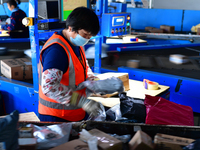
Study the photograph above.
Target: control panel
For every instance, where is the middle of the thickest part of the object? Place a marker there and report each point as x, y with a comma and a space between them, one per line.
115, 24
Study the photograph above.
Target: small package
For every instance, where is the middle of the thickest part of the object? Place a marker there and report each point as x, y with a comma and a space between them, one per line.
155, 30
149, 28
167, 29
141, 141
27, 143
178, 59
105, 141
26, 132
164, 141
18, 69
72, 145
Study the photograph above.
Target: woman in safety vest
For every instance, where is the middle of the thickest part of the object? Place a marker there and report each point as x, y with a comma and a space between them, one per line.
63, 66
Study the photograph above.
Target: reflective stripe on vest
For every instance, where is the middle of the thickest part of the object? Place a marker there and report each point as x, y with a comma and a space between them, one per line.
56, 105
71, 66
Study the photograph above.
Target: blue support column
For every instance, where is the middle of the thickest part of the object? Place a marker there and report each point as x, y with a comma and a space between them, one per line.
97, 59
105, 6
34, 41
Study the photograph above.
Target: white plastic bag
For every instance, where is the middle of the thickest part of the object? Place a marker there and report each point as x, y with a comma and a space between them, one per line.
53, 135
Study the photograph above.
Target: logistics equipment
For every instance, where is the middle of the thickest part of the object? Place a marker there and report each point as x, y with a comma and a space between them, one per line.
112, 24
115, 24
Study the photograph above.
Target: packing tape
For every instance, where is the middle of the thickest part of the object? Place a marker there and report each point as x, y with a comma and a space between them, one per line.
150, 85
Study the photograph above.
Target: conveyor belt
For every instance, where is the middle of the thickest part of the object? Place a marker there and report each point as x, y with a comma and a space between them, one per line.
158, 61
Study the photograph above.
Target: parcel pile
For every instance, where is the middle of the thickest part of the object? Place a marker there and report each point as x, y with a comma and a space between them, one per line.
63, 136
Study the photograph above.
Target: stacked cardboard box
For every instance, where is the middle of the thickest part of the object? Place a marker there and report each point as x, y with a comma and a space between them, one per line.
26, 139
162, 29
169, 142
168, 29
18, 69
141, 141
105, 142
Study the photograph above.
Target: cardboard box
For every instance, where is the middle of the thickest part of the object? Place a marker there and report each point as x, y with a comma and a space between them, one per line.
149, 28
27, 143
72, 145
198, 31
105, 141
155, 30
26, 132
18, 69
169, 142
141, 141
168, 29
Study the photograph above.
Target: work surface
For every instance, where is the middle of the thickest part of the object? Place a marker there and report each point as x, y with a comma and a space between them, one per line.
3, 33
29, 116
137, 90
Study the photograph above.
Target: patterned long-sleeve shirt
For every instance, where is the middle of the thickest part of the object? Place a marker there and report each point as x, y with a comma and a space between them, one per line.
16, 24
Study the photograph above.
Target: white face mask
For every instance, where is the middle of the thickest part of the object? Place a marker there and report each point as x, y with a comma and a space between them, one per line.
79, 40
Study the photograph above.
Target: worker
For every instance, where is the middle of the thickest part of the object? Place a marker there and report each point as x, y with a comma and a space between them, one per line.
63, 66
16, 28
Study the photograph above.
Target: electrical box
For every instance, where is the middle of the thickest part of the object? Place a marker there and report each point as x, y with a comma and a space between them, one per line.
115, 24
47, 9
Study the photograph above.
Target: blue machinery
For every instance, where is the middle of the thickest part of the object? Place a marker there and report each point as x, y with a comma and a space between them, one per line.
24, 96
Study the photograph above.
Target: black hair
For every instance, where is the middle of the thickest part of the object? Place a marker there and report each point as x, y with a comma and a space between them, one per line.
13, 2
83, 18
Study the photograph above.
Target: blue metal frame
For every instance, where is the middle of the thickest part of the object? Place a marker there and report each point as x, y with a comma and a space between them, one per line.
20, 95
34, 41
98, 46
13, 40
154, 47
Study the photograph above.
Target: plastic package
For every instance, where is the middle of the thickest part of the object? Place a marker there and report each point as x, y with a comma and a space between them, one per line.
99, 115
123, 138
107, 86
132, 108
52, 136
92, 141
8, 131
114, 113
45, 134
162, 111
193, 146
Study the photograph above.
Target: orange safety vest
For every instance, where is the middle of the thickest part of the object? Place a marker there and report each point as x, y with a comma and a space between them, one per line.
75, 74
